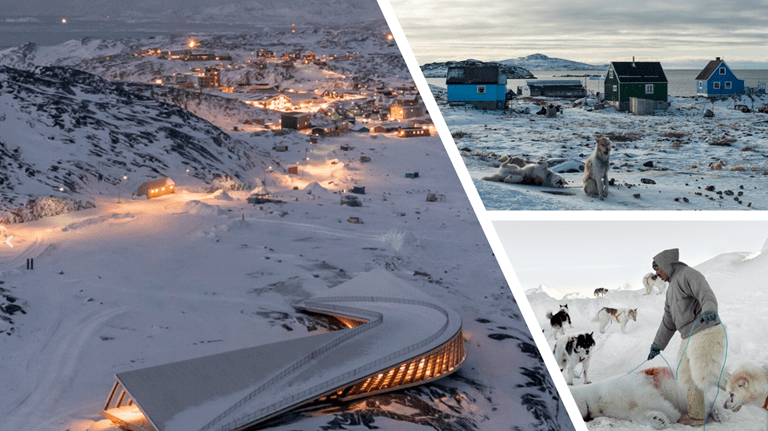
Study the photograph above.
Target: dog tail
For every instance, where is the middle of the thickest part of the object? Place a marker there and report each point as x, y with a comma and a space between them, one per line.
549, 314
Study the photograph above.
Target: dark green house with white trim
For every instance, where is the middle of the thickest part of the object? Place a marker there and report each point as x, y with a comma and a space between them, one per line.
641, 79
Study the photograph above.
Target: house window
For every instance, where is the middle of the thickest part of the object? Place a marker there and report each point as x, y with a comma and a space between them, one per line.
648, 88
610, 73
615, 88
701, 85
728, 85
481, 89
716, 85
722, 71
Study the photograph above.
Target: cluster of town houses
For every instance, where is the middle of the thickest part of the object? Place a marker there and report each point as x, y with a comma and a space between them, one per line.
335, 107
629, 85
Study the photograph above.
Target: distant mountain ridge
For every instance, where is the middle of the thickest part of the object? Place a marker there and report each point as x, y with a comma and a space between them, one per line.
543, 62
440, 69
515, 68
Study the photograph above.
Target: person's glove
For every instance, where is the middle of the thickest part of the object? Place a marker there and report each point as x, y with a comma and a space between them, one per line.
655, 350
709, 317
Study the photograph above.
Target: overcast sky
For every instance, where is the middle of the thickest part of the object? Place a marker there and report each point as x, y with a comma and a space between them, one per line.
679, 34
568, 254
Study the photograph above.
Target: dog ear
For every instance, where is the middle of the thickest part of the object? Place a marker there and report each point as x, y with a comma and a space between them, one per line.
742, 382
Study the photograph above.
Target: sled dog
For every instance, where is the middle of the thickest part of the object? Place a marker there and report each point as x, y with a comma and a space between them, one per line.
600, 291
606, 315
558, 319
652, 280
537, 174
649, 397
748, 385
572, 350
596, 169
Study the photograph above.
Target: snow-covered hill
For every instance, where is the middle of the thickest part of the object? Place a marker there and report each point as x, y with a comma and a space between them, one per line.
71, 134
543, 62
736, 278
515, 68
440, 69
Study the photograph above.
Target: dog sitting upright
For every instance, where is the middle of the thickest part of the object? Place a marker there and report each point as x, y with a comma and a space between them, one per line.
605, 315
748, 385
558, 319
596, 169
570, 351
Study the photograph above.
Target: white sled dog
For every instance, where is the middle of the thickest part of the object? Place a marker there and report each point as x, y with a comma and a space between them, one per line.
532, 174
607, 314
572, 350
650, 397
748, 385
652, 280
596, 169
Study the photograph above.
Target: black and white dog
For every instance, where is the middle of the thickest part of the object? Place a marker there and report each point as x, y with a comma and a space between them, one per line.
558, 319
570, 351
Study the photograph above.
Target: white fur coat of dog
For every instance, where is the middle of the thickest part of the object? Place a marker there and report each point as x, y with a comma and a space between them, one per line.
651, 280
748, 386
606, 315
596, 169
650, 397
532, 174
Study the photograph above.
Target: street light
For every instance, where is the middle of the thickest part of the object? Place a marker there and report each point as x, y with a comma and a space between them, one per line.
125, 177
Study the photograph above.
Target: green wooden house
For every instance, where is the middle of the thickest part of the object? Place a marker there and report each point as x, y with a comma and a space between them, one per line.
641, 79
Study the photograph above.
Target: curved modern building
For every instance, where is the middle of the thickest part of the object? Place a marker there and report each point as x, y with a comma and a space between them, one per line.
396, 337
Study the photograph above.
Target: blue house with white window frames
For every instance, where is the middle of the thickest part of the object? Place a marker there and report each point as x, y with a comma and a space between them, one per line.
718, 81
483, 86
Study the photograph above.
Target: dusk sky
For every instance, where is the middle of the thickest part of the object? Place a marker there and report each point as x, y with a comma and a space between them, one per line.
679, 34
564, 254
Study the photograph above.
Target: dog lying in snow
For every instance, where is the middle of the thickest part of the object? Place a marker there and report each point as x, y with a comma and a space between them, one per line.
558, 319
572, 350
537, 174
748, 385
622, 316
596, 169
650, 397
652, 280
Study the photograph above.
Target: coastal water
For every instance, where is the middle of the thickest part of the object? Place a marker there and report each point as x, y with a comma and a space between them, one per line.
682, 82
48, 31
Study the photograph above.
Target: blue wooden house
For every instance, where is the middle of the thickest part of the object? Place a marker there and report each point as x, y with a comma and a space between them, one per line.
483, 86
717, 80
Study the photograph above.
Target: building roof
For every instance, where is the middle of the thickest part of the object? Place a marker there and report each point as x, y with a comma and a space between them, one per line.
142, 190
554, 83
639, 71
709, 69
232, 389
485, 74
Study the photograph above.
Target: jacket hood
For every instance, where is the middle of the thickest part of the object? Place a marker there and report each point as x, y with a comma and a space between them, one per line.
666, 258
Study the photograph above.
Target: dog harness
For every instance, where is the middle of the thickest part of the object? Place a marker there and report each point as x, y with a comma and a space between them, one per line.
765, 406
617, 316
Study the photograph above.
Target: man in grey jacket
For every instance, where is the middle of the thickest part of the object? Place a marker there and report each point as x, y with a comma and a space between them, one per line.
690, 309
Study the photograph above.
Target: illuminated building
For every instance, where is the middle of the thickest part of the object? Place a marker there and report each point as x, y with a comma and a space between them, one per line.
156, 188
395, 337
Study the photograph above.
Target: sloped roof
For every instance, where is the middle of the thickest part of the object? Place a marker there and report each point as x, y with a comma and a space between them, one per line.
639, 71
708, 70
487, 74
